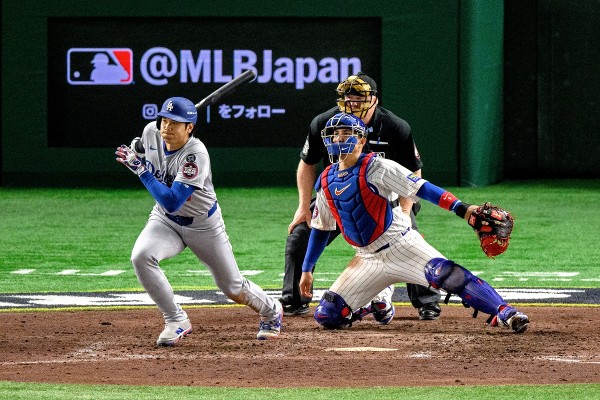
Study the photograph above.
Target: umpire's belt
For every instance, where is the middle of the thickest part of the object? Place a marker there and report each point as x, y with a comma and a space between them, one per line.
185, 221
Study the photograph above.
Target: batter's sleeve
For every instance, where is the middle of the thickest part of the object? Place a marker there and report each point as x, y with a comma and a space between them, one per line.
171, 198
194, 170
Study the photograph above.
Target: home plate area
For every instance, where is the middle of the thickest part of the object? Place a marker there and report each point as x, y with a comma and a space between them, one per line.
118, 347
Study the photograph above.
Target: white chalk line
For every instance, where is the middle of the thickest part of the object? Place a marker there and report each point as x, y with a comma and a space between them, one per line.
93, 353
564, 359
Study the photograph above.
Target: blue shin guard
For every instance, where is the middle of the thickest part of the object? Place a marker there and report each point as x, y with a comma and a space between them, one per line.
453, 278
333, 312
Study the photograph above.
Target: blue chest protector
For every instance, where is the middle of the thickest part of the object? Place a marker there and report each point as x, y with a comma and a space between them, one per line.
360, 212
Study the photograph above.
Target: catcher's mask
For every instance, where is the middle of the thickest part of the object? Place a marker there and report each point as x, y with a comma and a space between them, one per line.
178, 109
341, 134
362, 89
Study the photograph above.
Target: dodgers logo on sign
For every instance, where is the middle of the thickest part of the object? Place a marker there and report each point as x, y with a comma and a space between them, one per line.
99, 66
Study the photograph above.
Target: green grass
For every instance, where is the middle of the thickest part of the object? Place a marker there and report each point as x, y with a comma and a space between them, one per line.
25, 391
93, 231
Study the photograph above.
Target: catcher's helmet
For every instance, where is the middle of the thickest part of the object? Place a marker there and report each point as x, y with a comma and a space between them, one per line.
342, 121
359, 85
179, 109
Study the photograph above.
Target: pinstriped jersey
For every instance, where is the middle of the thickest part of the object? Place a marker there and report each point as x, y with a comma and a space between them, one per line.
387, 178
189, 165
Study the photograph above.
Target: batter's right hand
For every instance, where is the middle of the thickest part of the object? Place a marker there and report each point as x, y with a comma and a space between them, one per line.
301, 215
128, 158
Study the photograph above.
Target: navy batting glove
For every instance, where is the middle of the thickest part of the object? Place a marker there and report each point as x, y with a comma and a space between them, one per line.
128, 158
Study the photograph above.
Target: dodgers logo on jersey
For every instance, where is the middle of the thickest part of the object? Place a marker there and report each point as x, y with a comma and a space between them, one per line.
190, 170
99, 66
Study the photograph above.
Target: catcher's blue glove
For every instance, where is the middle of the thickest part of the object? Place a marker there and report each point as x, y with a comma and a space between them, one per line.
128, 158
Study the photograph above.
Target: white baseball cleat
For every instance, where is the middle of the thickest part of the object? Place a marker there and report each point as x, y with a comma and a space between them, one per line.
511, 318
271, 329
382, 307
173, 332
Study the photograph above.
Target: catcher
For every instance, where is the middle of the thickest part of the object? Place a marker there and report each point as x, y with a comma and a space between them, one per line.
355, 193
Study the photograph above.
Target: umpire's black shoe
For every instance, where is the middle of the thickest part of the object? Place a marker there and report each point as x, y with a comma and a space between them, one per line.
291, 310
430, 311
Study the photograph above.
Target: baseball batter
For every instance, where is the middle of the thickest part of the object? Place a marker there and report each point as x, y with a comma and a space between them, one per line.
176, 171
355, 193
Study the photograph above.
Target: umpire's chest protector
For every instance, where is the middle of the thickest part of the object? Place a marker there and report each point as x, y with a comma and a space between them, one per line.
360, 212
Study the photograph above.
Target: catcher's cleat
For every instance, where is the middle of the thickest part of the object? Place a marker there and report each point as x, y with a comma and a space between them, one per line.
382, 308
383, 312
430, 312
271, 329
511, 318
173, 332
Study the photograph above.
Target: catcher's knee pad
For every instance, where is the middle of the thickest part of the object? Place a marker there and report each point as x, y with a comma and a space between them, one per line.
333, 312
453, 278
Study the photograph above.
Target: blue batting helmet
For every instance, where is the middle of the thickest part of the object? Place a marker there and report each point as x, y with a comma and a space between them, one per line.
342, 121
179, 109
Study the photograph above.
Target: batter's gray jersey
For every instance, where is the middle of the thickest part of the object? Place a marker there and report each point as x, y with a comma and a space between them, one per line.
405, 253
189, 165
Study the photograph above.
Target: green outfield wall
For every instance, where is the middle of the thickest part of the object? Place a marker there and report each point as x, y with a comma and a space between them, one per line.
440, 66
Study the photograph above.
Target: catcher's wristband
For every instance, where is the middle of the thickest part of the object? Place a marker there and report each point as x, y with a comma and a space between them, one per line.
461, 209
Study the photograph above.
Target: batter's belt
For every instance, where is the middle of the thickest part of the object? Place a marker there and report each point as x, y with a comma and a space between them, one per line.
185, 221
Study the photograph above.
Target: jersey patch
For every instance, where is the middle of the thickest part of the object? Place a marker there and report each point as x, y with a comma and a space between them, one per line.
190, 158
413, 177
190, 170
315, 212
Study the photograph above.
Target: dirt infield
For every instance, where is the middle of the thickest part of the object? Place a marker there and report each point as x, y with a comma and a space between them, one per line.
117, 347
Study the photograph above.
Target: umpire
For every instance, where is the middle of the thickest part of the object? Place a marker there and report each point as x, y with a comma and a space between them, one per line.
390, 137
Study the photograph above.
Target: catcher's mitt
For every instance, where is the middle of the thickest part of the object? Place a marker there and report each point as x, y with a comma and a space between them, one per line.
493, 226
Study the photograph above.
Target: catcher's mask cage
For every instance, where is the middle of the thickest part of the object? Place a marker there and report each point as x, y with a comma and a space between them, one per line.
341, 134
178, 109
360, 86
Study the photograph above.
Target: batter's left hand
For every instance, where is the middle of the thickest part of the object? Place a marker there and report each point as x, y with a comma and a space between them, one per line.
306, 281
128, 158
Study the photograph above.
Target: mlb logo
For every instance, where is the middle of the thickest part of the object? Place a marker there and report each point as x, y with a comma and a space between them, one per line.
99, 66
